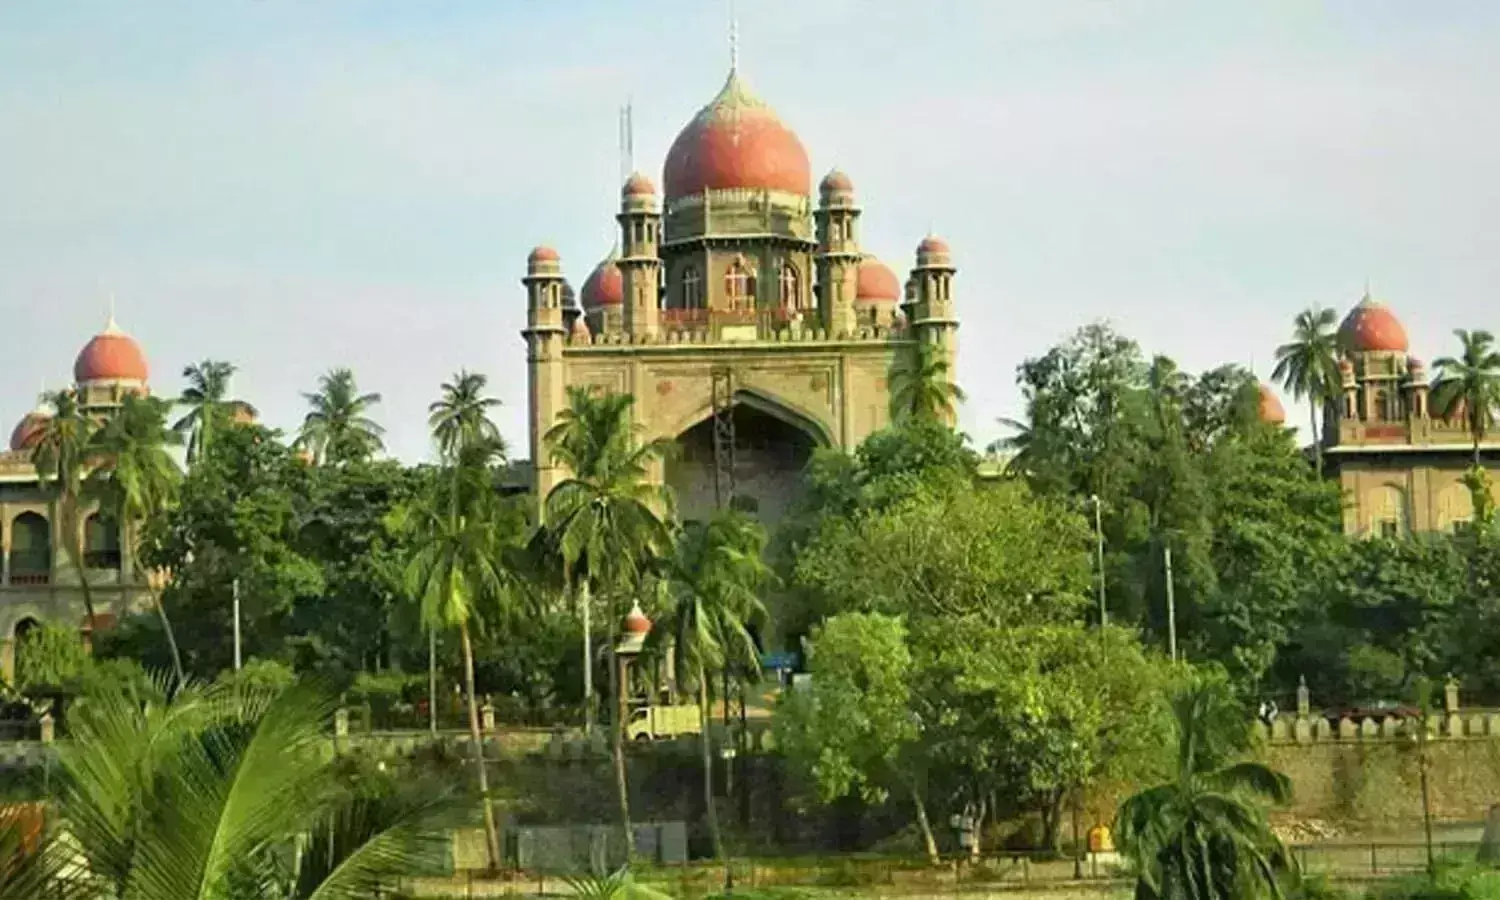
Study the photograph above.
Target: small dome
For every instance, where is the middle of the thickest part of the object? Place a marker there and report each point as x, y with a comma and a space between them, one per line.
605, 285
636, 622
581, 333
934, 246
543, 253
836, 182
736, 141
876, 281
638, 185
1371, 327
28, 432
111, 355
1271, 410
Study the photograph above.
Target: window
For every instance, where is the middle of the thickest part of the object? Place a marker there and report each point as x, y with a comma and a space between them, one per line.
692, 288
739, 286
1462, 527
101, 543
1390, 529
790, 294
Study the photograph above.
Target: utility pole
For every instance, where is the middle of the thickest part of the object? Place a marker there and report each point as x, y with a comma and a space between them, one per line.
236, 594
1099, 540
1171, 603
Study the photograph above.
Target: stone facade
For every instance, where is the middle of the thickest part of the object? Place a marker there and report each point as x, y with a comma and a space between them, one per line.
734, 294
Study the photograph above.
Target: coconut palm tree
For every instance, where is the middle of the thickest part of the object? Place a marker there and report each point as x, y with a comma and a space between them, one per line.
1470, 384
337, 428
461, 416
228, 793
922, 386
1204, 834
606, 521
137, 479
61, 460
209, 406
455, 571
716, 576
1307, 366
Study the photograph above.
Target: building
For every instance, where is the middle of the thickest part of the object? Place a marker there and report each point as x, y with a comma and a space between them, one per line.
739, 310
38, 582
1400, 466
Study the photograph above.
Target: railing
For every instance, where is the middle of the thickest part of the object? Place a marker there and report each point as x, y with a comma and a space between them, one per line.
30, 579
684, 318
1350, 859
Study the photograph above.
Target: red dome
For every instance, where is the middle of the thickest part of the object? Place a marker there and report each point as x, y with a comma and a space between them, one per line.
876, 281
736, 141
932, 244
28, 431
1271, 410
636, 622
605, 285
112, 355
638, 185
1371, 326
836, 182
543, 253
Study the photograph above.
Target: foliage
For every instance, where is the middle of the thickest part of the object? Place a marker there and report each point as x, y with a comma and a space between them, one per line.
49, 656
1307, 366
1451, 881
620, 885
210, 409
337, 428
922, 388
1468, 386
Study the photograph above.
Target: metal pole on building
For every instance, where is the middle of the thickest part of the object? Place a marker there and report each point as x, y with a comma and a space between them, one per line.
236, 624
1171, 604
1099, 539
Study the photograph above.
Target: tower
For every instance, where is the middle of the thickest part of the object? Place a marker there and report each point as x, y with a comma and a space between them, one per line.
640, 266
545, 336
930, 299
838, 253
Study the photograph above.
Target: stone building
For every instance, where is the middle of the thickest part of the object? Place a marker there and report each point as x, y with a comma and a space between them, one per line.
38, 583
741, 312
1401, 466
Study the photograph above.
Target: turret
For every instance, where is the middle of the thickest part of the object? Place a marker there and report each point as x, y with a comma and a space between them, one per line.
838, 253
930, 299
640, 266
545, 336
1416, 388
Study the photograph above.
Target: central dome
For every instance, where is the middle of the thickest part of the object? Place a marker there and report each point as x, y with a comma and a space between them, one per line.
736, 141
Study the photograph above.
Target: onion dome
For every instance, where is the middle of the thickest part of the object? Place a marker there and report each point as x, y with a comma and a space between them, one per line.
736, 142
1271, 410
29, 430
933, 251
111, 355
580, 330
543, 253
605, 285
836, 182
875, 281
638, 185
636, 621
1372, 327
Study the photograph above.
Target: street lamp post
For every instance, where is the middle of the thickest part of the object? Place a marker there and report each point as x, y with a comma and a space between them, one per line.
1099, 543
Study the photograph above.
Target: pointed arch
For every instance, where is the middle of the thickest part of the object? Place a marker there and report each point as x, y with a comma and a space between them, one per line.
30, 549
739, 284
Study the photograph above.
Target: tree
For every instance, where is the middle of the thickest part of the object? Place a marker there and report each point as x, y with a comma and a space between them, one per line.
137, 480
922, 387
716, 576
1307, 366
461, 416
61, 460
856, 729
1469, 385
606, 519
455, 571
209, 407
210, 793
337, 428
1202, 834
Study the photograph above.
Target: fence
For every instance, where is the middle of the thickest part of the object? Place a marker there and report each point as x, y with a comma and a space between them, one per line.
1377, 858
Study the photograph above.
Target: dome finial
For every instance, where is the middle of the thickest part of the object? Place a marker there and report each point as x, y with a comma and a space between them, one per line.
734, 39
110, 325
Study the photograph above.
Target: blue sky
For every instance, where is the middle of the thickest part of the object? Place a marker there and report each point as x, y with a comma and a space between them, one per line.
294, 186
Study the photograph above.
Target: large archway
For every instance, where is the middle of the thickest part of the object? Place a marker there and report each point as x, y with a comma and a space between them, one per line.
771, 449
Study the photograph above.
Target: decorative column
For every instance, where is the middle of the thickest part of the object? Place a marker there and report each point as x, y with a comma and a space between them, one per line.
838, 256
640, 266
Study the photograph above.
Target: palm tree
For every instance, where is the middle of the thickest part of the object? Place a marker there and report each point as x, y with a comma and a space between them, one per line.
605, 521
717, 574
619, 886
209, 406
462, 415
61, 460
1307, 367
454, 571
337, 429
228, 793
138, 479
1470, 384
922, 388
1204, 835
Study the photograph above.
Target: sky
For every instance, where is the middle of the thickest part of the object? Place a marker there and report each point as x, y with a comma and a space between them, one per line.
296, 186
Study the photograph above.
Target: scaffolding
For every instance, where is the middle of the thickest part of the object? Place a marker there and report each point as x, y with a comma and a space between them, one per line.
724, 438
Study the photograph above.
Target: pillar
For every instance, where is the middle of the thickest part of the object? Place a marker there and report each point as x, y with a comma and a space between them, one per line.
546, 377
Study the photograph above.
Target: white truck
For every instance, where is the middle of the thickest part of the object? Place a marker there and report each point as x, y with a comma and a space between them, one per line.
653, 722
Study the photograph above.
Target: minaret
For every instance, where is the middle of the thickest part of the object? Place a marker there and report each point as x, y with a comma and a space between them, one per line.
838, 253
930, 299
640, 266
544, 360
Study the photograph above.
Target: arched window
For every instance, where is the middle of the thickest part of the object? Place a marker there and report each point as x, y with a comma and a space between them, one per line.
692, 288
30, 549
739, 286
1387, 505
791, 294
101, 542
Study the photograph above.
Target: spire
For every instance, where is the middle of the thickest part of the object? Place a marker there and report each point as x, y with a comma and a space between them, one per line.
734, 39
110, 326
